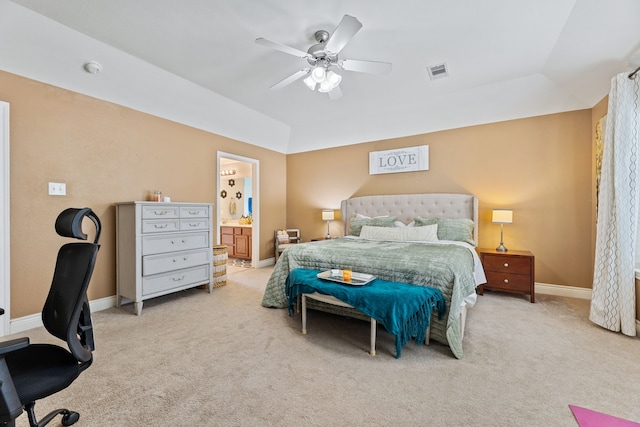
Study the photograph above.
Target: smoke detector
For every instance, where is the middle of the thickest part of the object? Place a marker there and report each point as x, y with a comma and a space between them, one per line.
92, 67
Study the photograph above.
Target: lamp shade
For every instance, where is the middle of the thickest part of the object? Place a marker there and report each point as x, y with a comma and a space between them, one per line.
502, 216
311, 84
328, 215
318, 74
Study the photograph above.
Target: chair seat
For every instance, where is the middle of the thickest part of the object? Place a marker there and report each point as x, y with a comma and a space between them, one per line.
40, 370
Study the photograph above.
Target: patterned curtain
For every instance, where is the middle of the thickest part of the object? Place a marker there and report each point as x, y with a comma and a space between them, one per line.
613, 300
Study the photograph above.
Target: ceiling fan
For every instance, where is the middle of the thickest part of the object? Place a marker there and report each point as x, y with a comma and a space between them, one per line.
324, 61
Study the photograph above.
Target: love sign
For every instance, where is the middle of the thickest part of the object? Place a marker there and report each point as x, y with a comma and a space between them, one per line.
408, 159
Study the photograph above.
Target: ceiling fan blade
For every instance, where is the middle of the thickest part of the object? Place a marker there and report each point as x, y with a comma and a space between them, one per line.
371, 67
281, 47
346, 29
335, 93
292, 78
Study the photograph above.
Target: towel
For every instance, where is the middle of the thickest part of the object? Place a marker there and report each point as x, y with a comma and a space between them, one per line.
403, 309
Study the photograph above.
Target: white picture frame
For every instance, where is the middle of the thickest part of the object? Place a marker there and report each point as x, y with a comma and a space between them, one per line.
409, 159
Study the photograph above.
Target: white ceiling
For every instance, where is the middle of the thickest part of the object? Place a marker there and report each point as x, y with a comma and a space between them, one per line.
197, 62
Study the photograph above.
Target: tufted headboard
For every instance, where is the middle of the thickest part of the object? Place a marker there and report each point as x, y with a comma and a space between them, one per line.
405, 207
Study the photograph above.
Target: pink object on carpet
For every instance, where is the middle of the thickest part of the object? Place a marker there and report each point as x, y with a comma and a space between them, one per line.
588, 418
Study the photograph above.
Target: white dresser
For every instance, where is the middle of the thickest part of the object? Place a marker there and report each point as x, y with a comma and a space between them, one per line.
162, 248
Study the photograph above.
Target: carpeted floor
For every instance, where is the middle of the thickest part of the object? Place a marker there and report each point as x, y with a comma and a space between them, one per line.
220, 359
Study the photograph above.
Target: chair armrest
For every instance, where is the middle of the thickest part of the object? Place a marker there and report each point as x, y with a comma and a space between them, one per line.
13, 345
10, 405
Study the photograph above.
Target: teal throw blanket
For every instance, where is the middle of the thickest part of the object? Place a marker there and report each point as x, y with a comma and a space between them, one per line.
404, 310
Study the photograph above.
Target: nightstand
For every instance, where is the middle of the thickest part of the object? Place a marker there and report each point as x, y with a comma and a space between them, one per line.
511, 271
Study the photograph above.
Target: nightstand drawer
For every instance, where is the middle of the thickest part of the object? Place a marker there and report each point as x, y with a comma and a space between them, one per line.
511, 271
508, 282
515, 265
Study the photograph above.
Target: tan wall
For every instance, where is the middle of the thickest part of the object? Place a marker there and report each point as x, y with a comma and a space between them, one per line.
106, 153
540, 167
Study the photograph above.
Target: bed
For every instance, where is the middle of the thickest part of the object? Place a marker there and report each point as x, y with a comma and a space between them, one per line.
392, 237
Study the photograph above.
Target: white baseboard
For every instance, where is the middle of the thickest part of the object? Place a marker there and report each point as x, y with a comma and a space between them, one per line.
572, 292
563, 291
25, 323
32, 321
267, 262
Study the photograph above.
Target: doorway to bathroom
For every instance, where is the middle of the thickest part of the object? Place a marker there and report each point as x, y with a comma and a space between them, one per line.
238, 208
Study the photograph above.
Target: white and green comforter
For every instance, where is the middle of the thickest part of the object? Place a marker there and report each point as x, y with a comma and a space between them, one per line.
447, 266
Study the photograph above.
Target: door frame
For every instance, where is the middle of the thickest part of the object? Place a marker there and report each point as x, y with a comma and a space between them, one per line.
5, 255
255, 194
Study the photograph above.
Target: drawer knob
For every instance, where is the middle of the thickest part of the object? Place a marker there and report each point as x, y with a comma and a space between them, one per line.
506, 280
506, 265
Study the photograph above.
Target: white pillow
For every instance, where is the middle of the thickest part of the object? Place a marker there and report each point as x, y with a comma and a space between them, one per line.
368, 217
427, 233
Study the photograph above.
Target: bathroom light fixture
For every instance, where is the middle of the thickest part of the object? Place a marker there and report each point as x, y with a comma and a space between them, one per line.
92, 67
227, 172
502, 216
328, 215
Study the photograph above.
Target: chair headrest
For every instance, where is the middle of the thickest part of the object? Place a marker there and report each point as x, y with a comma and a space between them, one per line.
69, 223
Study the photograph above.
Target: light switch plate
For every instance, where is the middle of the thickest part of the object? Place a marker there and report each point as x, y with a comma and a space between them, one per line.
57, 189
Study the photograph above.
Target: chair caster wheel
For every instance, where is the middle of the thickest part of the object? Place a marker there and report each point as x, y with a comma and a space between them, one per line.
70, 418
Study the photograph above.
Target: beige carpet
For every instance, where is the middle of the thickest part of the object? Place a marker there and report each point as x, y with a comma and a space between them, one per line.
223, 360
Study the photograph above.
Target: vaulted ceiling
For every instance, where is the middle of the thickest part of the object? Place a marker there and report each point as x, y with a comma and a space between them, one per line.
197, 62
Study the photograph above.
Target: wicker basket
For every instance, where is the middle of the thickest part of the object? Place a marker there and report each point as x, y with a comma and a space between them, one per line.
219, 265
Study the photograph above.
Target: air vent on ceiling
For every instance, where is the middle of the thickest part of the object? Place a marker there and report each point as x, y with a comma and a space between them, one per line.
438, 71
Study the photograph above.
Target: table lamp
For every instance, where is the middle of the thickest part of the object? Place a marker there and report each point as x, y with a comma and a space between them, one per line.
328, 215
502, 216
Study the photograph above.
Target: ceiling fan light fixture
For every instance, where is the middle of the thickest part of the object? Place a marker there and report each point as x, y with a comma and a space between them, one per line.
334, 78
324, 56
310, 83
318, 74
325, 86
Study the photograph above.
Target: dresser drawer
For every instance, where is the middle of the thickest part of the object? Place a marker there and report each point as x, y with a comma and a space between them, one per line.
154, 264
175, 279
504, 264
160, 226
152, 245
508, 281
194, 224
160, 212
194, 211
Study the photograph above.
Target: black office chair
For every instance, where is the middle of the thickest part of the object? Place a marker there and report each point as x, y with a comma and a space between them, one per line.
29, 372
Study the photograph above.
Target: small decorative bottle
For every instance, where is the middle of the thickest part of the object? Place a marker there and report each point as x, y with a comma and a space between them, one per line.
157, 196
